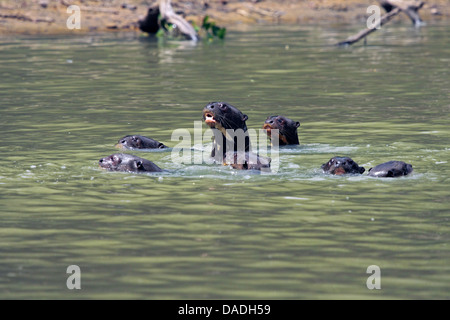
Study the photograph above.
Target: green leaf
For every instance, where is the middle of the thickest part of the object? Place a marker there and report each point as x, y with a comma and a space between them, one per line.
221, 33
212, 30
205, 20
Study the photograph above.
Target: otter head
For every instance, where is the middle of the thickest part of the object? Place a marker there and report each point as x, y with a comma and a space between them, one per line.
287, 129
138, 142
223, 116
342, 165
127, 162
113, 162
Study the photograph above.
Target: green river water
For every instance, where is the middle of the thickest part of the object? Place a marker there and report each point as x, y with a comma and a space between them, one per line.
201, 231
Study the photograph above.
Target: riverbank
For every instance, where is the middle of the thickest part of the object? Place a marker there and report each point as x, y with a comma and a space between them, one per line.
50, 17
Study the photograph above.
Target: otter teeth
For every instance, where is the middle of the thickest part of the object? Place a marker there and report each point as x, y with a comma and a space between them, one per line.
209, 118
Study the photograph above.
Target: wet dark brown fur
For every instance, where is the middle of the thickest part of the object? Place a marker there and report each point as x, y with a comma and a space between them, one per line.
127, 163
342, 165
139, 142
231, 137
391, 169
287, 130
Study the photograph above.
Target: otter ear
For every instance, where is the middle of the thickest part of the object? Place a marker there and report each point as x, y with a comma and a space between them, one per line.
361, 169
244, 117
297, 124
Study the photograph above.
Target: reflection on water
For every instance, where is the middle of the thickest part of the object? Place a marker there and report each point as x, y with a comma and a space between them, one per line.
205, 231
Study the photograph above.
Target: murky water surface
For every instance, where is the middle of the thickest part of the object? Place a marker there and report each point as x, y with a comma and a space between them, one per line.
201, 231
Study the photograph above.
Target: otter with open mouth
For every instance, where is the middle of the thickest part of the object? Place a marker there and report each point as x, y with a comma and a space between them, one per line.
342, 165
231, 136
287, 130
229, 126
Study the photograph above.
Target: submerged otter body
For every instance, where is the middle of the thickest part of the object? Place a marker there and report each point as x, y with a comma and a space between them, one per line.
247, 161
287, 130
391, 169
231, 137
342, 165
139, 142
128, 163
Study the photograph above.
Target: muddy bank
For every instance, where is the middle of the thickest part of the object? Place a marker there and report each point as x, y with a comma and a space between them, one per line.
50, 17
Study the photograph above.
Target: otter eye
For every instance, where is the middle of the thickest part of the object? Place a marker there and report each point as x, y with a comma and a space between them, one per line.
123, 141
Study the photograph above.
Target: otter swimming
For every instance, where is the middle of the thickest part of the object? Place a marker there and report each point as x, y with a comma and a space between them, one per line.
287, 130
229, 127
139, 142
231, 136
391, 169
128, 163
342, 165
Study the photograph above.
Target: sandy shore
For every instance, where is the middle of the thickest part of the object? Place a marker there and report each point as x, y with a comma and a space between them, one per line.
50, 16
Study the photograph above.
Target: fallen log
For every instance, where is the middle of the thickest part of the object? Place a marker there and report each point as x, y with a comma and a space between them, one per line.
159, 16
410, 8
365, 32
184, 27
393, 8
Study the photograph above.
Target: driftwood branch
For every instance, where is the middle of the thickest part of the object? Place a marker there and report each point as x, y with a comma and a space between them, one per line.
151, 23
410, 8
393, 8
364, 33
167, 13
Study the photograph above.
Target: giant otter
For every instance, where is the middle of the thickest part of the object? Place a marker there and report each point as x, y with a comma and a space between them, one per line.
287, 129
342, 165
391, 169
127, 162
139, 142
231, 135
230, 122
